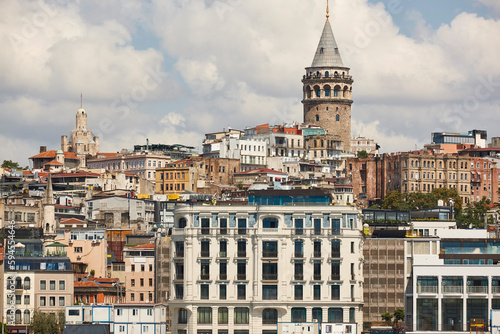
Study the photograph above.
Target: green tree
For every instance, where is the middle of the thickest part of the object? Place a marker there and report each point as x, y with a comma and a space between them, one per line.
44, 323
5, 331
387, 317
61, 320
392, 201
10, 164
362, 154
446, 194
399, 314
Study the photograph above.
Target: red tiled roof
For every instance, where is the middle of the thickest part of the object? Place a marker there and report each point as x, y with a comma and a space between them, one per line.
107, 155
53, 162
52, 154
71, 221
261, 171
27, 172
146, 246
91, 285
104, 280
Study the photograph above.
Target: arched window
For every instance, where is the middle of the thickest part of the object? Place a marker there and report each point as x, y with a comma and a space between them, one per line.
327, 90
18, 316
182, 222
298, 314
335, 92
317, 314
19, 283
269, 316
327, 74
27, 283
318, 74
337, 118
182, 316
336, 74
317, 118
27, 317
318, 92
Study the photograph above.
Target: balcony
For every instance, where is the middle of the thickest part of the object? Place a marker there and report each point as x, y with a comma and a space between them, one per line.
241, 277
495, 289
298, 277
271, 254
453, 289
204, 277
432, 289
241, 254
477, 290
269, 277
204, 254
222, 254
335, 277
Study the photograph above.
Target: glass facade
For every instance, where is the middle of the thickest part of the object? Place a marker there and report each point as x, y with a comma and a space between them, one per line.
427, 314
452, 310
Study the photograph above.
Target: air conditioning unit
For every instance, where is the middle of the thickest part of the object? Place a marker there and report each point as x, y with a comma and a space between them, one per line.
79, 257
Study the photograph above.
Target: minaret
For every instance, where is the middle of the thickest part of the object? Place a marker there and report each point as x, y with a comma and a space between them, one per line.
328, 88
49, 216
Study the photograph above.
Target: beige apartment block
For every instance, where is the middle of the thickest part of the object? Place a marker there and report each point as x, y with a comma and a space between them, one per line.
140, 273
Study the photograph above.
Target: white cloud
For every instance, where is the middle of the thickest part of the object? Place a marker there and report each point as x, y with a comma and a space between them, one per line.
236, 63
491, 3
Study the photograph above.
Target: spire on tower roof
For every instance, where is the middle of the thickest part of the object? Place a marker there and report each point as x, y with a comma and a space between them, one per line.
327, 53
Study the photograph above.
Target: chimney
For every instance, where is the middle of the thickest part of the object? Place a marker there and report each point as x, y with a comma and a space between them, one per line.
43, 149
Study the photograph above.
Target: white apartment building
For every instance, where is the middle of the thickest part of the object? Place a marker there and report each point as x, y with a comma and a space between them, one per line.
251, 153
245, 268
139, 318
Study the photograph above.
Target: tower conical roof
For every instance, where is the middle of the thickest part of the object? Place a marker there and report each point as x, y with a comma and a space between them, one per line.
327, 54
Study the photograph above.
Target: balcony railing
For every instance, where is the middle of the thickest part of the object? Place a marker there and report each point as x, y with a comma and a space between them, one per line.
335, 277
204, 277
205, 254
223, 254
477, 289
241, 277
335, 254
298, 254
179, 254
179, 277
317, 254
452, 289
317, 277
223, 277
241, 254
495, 289
270, 277
270, 254
427, 289
298, 277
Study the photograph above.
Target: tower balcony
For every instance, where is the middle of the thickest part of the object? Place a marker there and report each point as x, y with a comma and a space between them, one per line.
321, 100
307, 80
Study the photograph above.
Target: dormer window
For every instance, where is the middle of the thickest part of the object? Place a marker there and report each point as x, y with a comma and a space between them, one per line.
321, 50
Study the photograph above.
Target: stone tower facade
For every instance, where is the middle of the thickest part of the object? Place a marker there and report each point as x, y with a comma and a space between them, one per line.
328, 90
81, 140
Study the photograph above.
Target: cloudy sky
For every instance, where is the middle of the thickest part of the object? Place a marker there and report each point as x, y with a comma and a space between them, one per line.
172, 70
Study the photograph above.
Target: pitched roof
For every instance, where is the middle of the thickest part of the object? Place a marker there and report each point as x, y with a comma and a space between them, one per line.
53, 162
327, 53
52, 154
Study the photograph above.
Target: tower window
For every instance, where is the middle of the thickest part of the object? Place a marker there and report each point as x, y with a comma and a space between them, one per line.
318, 92
335, 92
327, 74
327, 91
317, 118
337, 118
321, 50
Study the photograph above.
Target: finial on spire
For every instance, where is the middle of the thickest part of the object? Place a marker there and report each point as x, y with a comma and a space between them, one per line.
327, 10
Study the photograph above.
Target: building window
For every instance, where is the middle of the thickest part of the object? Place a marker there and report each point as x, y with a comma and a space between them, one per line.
299, 248
27, 283
61, 301
317, 292
241, 315
182, 316
269, 316
335, 292
337, 118
52, 301
270, 271
77, 249
204, 289
298, 314
242, 245
241, 292
143, 267
43, 285
26, 299
317, 314
241, 270
222, 291
141, 297
179, 291
205, 269
204, 315
335, 315
269, 292
132, 297
299, 292
150, 282
52, 285
43, 301
132, 282
223, 315
132, 267
270, 222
